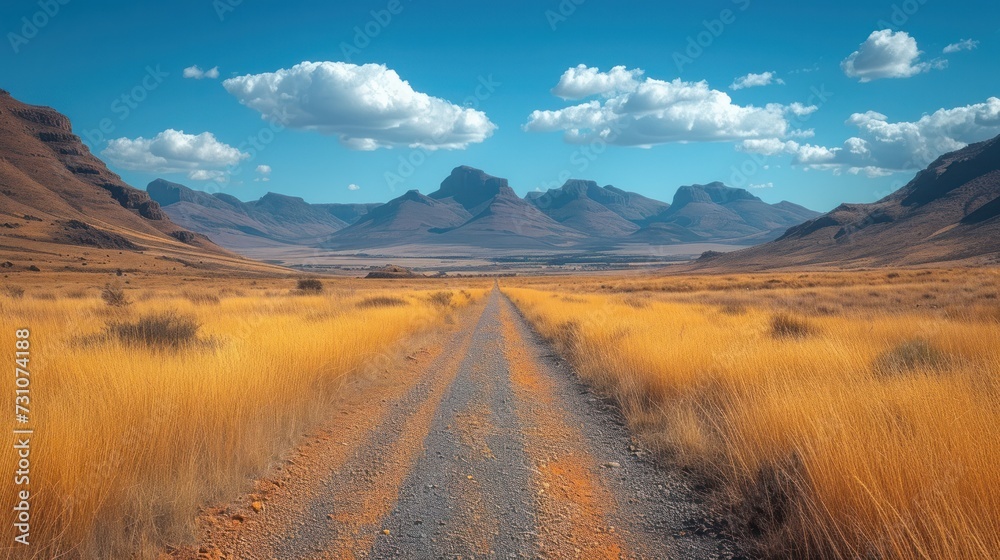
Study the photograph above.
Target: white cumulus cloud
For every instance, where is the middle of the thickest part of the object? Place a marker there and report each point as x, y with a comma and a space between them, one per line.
353, 187
756, 80
887, 54
196, 73
582, 81
263, 173
208, 175
367, 107
657, 112
963, 45
201, 156
882, 147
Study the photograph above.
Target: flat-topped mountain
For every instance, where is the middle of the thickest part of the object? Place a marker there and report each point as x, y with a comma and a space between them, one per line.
949, 212
598, 211
715, 212
471, 189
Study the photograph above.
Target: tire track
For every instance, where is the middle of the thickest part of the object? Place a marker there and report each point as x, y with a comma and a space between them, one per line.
466, 497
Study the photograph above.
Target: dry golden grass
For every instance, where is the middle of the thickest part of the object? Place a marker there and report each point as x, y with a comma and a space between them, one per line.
867, 431
147, 411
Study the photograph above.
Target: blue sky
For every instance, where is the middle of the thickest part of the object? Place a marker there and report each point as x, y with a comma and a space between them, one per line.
847, 114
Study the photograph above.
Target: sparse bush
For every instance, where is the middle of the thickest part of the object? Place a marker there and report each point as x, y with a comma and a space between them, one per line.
441, 298
157, 330
203, 298
635, 302
912, 355
13, 292
114, 296
734, 309
786, 326
44, 296
310, 286
381, 301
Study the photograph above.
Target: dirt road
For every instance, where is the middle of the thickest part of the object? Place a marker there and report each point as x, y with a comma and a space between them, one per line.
483, 446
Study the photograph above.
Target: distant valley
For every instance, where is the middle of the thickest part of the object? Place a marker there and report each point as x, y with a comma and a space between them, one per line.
476, 215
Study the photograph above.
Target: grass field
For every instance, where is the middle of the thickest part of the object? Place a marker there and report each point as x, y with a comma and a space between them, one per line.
838, 415
833, 414
149, 403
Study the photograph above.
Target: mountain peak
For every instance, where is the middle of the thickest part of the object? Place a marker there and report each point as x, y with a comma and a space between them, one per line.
715, 192
472, 187
166, 193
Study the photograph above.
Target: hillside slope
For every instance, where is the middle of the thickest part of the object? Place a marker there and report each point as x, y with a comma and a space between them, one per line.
950, 212
274, 219
62, 209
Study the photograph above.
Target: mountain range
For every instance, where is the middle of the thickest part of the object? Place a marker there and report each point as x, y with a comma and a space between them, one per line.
273, 219
474, 209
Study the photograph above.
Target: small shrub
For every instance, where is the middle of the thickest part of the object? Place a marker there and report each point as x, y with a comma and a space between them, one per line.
911, 355
734, 309
381, 301
441, 298
157, 330
786, 326
635, 302
203, 298
13, 292
310, 286
114, 296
